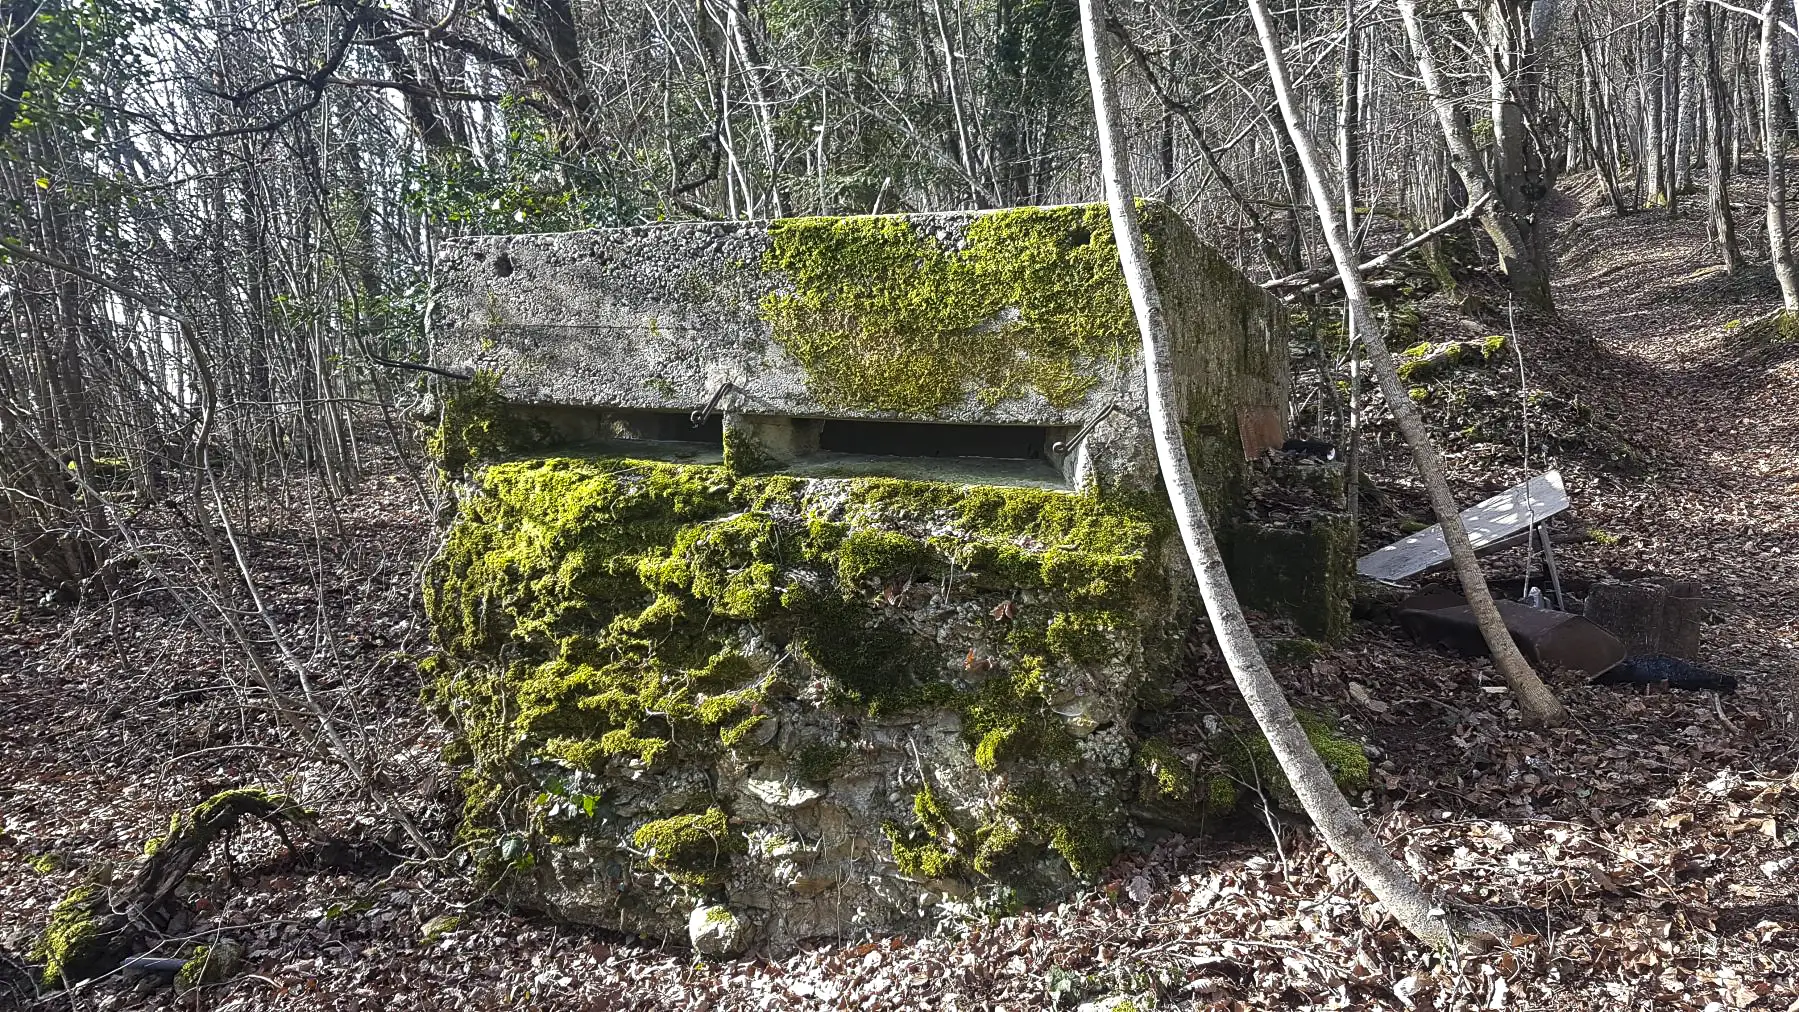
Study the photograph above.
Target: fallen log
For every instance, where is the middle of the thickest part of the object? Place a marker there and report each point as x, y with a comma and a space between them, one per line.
95, 927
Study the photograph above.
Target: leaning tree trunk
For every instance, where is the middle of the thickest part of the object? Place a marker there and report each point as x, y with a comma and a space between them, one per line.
1780, 246
1342, 830
1539, 704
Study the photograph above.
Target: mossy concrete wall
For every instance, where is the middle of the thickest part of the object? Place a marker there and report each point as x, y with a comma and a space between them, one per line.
1009, 317
824, 705
818, 705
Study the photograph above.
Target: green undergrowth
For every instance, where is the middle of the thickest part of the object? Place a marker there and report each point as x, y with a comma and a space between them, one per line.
621, 618
1249, 763
884, 315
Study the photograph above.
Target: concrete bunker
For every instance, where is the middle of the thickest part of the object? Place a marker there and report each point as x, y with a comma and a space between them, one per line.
806, 576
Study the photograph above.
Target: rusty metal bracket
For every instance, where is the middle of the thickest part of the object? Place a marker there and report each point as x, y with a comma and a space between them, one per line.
1064, 445
699, 416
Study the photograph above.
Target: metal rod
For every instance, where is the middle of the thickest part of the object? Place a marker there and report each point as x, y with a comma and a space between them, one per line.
1063, 446
1555, 578
698, 417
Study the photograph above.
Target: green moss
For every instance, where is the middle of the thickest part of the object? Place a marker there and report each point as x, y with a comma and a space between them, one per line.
223, 801
691, 849
920, 858
595, 613
1165, 776
72, 943
996, 844
43, 864
1603, 537
743, 454
1304, 570
237, 799
862, 554
479, 426
210, 964
883, 316
1426, 360
1085, 637
1786, 327
439, 926
1221, 793
1247, 756
1070, 822
738, 733
924, 849
1418, 393
1006, 718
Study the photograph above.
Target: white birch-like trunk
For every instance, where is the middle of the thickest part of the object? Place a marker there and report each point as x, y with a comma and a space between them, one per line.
1341, 828
1539, 704
1780, 245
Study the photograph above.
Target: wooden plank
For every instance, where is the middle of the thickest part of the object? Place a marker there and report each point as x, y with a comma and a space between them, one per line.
1503, 516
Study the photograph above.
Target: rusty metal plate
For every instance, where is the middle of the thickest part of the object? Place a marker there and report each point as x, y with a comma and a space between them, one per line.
1260, 429
1548, 638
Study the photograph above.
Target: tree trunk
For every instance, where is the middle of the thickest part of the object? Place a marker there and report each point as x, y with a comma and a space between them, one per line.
1342, 830
1518, 256
1780, 248
1674, 44
1349, 148
1717, 163
1649, 99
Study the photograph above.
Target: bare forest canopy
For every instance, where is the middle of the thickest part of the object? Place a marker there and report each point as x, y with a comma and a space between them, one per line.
218, 219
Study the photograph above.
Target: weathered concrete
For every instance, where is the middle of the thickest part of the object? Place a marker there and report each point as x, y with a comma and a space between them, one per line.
822, 678
661, 317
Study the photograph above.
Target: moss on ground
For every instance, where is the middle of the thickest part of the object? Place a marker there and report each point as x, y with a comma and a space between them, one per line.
72, 943
1250, 761
210, 964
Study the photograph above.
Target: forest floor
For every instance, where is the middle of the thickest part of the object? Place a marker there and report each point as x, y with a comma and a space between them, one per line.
1655, 840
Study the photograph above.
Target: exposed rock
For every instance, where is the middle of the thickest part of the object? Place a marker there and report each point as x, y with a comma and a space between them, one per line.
716, 931
210, 964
